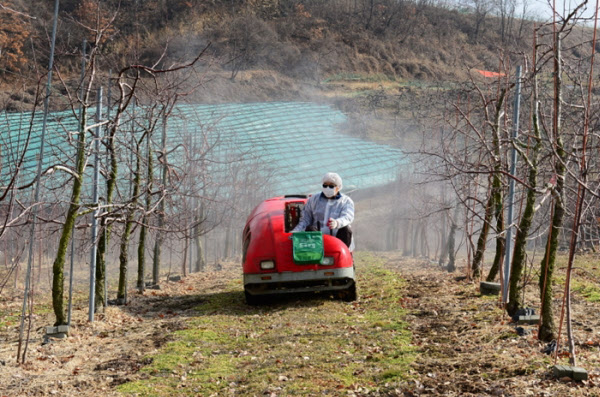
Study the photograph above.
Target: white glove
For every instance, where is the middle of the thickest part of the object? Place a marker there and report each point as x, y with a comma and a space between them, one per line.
332, 224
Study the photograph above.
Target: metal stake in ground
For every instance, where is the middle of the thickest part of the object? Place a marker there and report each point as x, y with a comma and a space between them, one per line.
95, 201
37, 183
106, 183
511, 187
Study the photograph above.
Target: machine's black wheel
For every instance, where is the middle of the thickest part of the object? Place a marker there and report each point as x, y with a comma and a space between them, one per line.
253, 300
349, 294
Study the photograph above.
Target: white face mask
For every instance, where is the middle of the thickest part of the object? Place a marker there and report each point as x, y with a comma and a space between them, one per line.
329, 191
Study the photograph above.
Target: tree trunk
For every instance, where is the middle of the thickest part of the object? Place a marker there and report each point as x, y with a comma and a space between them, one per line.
392, 234
141, 256
103, 243
443, 243
161, 208
156, 256
200, 256
452, 247
547, 331
515, 299
124, 259
59, 261
145, 219
497, 189
495, 199
482, 239
124, 246
424, 244
500, 244
396, 232
200, 262
101, 268
227, 245
406, 238
185, 256
415, 238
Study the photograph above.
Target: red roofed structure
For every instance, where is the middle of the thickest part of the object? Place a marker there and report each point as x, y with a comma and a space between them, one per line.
487, 73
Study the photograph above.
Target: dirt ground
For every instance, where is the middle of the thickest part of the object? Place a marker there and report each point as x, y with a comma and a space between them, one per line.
470, 347
466, 345
98, 356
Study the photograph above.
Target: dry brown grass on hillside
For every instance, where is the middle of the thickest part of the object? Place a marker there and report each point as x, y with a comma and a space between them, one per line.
302, 40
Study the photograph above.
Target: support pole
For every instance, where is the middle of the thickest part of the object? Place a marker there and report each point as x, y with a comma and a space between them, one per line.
511, 187
161, 206
37, 183
107, 172
96, 210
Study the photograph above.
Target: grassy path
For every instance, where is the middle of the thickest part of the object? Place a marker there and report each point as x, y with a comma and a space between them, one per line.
299, 346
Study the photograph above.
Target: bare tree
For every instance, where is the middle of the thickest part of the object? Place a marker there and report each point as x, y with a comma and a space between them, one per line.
74, 206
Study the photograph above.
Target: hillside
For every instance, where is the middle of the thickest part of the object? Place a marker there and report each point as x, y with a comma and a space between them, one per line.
264, 50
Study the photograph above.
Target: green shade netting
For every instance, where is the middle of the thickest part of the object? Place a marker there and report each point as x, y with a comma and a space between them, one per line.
293, 143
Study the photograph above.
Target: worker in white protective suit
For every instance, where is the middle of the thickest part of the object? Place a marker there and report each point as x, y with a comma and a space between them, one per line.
330, 211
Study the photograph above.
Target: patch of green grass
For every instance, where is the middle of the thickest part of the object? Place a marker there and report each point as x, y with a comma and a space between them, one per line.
295, 346
174, 353
44, 309
8, 320
490, 298
591, 292
391, 374
175, 370
584, 279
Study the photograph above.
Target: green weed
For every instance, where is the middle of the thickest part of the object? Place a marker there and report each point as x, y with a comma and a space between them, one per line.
584, 278
590, 291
